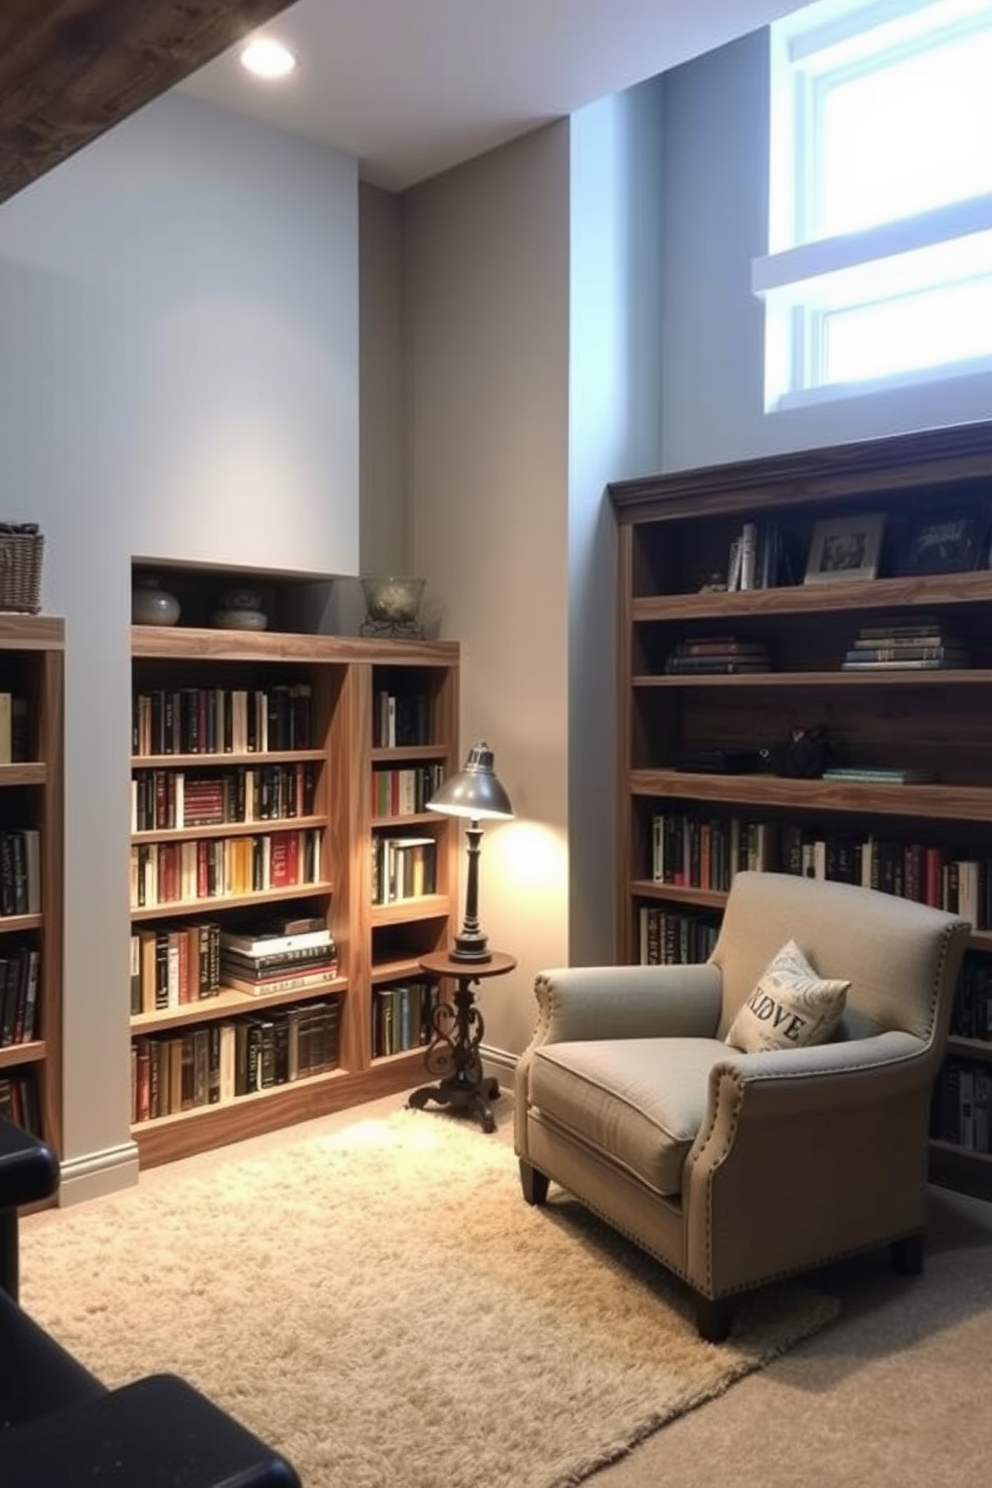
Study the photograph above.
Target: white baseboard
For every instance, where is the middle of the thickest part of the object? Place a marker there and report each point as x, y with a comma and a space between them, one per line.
499, 1064
98, 1173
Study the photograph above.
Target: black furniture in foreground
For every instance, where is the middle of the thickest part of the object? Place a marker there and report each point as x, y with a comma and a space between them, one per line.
60, 1425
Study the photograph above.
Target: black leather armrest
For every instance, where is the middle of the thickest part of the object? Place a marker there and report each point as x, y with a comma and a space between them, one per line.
156, 1433
29, 1169
37, 1375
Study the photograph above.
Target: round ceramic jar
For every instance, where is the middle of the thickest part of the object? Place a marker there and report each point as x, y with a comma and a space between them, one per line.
150, 603
240, 609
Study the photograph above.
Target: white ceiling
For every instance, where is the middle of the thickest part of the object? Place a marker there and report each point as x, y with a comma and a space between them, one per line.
411, 87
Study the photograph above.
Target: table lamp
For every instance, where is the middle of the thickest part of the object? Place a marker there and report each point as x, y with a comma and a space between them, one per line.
476, 794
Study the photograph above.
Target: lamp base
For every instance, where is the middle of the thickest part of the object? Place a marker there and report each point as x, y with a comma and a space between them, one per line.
470, 947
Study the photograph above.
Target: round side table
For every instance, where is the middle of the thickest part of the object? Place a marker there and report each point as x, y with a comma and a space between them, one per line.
453, 1052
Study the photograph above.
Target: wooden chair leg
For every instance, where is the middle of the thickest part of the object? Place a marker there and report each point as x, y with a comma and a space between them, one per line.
907, 1255
534, 1184
713, 1317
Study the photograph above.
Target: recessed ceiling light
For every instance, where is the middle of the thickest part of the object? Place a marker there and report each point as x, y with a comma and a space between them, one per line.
267, 58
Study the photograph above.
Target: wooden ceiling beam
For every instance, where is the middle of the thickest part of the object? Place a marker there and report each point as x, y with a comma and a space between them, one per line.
71, 69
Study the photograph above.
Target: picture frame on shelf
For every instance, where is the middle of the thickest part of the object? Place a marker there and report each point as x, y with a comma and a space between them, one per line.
955, 542
845, 549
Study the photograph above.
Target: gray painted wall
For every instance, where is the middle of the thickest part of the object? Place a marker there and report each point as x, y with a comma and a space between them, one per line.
614, 432
486, 294
178, 378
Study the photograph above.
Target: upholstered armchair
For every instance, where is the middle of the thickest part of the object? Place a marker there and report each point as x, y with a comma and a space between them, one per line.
735, 1168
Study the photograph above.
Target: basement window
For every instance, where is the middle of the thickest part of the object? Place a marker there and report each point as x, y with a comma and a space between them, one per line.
879, 263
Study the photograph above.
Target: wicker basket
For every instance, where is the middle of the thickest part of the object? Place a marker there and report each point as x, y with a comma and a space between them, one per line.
21, 547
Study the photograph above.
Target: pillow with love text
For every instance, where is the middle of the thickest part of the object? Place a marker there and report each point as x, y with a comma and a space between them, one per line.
791, 1006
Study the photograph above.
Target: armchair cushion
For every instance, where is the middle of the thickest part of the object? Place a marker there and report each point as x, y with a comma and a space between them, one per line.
637, 1103
790, 1008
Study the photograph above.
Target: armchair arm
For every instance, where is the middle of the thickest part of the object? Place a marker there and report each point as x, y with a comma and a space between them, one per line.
600, 1002
29, 1170
597, 1002
158, 1430
809, 1153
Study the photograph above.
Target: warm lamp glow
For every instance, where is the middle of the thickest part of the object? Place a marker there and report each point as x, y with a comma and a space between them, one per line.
265, 57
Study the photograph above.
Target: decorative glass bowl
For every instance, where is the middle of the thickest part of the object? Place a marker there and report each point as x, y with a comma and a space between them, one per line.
392, 601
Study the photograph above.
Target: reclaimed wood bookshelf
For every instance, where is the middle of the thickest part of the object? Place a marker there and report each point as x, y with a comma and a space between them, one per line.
32, 653
376, 944
675, 532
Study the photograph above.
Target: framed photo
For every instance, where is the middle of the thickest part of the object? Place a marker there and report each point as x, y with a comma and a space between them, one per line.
951, 543
845, 548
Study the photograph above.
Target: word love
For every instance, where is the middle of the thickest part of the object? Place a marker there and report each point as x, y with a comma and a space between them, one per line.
770, 1011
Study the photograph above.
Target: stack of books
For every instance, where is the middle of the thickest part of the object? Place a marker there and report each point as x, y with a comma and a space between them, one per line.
920, 644
288, 957
699, 655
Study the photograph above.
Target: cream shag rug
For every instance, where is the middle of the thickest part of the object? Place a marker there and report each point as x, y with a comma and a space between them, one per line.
382, 1306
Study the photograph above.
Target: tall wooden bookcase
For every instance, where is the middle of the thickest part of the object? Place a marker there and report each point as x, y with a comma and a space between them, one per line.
675, 534
348, 683
31, 808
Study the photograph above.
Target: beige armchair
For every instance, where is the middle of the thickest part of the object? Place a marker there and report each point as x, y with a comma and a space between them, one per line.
732, 1168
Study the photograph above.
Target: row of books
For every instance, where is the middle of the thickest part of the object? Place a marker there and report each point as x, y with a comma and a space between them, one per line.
218, 867
20, 871
19, 1102
760, 558
921, 644
961, 1109
177, 965
972, 1013
222, 1061
15, 729
692, 851
673, 938
400, 719
401, 1017
402, 868
174, 964
20, 972
222, 720
164, 800
404, 792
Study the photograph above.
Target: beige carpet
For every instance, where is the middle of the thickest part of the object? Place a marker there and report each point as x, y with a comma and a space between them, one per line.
381, 1305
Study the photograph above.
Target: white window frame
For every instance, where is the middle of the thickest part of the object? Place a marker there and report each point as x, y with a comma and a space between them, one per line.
805, 277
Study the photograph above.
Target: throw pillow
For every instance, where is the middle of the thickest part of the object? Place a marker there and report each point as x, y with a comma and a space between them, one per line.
790, 1008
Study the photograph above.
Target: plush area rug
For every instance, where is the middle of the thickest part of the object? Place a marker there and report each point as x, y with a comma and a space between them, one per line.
381, 1305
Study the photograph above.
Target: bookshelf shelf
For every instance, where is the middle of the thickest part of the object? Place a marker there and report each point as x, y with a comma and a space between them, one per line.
220, 902
23, 774
674, 533
226, 1002
229, 760
972, 677
424, 907
181, 1135
13, 924
941, 802
343, 682
231, 829
32, 664
13, 1055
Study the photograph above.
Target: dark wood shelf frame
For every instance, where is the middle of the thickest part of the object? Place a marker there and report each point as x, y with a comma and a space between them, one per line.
673, 532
